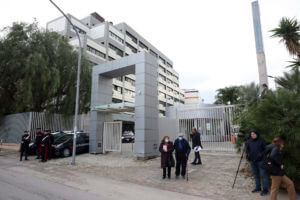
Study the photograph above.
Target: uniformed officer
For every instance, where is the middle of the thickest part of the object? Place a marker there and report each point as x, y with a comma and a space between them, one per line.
38, 140
45, 146
24, 145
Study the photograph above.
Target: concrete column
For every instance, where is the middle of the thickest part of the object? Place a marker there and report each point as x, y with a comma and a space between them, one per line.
101, 94
146, 110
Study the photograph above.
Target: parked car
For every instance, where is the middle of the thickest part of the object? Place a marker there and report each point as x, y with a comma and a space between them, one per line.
63, 146
128, 137
32, 145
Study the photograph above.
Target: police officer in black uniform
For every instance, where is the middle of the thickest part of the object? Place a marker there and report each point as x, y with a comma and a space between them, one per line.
45, 146
24, 145
38, 141
196, 141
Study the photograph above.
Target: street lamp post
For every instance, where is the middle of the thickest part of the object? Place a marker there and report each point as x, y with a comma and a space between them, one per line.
77, 84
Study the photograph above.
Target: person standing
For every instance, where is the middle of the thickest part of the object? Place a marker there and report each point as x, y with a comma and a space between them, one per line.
25, 145
182, 151
38, 141
277, 173
45, 146
255, 148
166, 149
196, 143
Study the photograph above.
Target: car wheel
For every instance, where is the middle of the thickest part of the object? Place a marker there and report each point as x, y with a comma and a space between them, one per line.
66, 152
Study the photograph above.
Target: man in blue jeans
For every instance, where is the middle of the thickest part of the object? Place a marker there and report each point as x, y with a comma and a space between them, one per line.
255, 147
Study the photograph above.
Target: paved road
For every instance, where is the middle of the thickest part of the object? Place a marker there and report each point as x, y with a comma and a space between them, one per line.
27, 181
15, 185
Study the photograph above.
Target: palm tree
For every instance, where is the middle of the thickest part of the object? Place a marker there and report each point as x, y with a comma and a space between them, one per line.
289, 32
228, 95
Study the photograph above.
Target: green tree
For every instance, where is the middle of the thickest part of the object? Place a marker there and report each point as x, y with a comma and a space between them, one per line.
38, 72
228, 95
289, 33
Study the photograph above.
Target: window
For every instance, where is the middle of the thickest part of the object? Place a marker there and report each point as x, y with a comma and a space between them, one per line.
110, 58
116, 100
169, 81
153, 53
129, 80
142, 45
117, 38
120, 78
95, 51
162, 86
116, 49
162, 68
161, 94
131, 37
169, 73
169, 89
169, 65
134, 50
118, 89
162, 77
162, 60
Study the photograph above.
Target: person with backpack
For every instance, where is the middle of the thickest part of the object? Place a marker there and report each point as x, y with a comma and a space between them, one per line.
255, 148
182, 151
275, 167
166, 149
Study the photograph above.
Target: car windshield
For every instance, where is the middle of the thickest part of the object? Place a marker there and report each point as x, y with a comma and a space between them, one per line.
63, 139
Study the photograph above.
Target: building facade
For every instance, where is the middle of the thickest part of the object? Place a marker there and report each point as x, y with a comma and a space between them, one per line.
103, 41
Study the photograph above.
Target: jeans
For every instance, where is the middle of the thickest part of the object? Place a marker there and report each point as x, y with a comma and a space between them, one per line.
258, 172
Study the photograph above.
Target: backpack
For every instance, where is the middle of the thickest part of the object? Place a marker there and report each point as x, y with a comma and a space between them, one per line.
268, 164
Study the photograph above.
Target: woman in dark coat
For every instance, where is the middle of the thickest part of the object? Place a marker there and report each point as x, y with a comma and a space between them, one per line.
166, 149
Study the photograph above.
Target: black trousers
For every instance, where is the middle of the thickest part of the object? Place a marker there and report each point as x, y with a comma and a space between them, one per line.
38, 150
45, 153
169, 171
197, 158
181, 160
24, 150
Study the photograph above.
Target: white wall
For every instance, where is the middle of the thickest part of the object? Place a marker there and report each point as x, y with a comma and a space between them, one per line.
57, 25
97, 31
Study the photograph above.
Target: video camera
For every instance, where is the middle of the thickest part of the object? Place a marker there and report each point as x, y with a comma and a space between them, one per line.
243, 135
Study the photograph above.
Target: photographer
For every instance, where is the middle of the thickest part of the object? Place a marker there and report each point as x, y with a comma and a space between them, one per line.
255, 147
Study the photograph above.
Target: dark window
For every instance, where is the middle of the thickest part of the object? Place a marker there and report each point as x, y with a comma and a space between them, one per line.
95, 51
129, 80
116, 100
110, 58
116, 49
169, 65
153, 53
131, 37
162, 60
143, 45
134, 50
116, 37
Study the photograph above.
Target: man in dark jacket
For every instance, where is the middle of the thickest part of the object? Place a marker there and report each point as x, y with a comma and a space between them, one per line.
24, 145
255, 148
38, 140
182, 151
196, 141
45, 143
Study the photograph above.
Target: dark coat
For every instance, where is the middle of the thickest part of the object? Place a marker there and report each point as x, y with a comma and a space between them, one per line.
186, 149
196, 140
255, 149
277, 160
38, 138
165, 156
25, 142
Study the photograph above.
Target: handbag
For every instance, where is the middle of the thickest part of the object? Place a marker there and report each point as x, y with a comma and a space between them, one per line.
171, 161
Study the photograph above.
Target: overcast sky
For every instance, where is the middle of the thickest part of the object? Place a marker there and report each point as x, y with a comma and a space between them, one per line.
210, 42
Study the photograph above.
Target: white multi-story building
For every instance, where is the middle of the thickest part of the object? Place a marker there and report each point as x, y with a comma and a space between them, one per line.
102, 41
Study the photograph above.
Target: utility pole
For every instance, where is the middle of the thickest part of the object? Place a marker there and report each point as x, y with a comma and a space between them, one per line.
77, 84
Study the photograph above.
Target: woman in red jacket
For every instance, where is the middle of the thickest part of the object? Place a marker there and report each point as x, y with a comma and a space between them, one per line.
167, 161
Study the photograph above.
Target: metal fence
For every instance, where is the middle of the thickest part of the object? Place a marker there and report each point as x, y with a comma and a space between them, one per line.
215, 125
12, 126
